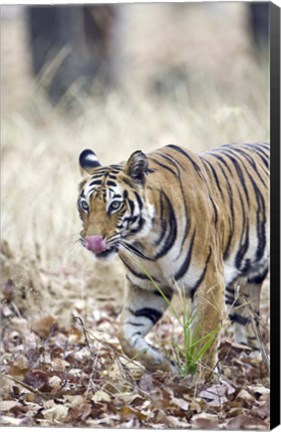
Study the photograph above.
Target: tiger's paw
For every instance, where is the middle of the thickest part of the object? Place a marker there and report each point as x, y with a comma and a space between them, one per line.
148, 356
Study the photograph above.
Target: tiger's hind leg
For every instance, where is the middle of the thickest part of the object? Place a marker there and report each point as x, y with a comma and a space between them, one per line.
142, 309
245, 310
237, 312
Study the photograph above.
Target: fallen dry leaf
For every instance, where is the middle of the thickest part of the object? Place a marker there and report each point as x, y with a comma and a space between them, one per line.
79, 413
127, 398
174, 422
44, 326
259, 390
234, 412
7, 405
244, 421
243, 395
11, 421
204, 421
57, 412
19, 368
263, 411
55, 382
101, 396
38, 379
229, 388
214, 395
146, 382
74, 401
181, 403
127, 412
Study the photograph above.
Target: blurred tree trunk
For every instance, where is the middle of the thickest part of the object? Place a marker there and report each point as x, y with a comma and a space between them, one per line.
71, 46
259, 21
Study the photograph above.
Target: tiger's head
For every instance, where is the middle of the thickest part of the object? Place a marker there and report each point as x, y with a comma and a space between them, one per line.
112, 204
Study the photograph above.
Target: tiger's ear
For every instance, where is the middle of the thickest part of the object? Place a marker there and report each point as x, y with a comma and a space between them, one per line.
88, 161
136, 166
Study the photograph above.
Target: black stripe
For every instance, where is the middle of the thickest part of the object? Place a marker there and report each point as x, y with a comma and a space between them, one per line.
135, 324
234, 303
95, 182
229, 302
138, 228
261, 220
116, 168
136, 251
135, 273
240, 174
260, 153
229, 297
163, 166
239, 319
258, 278
185, 265
214, 174
152, 314
163, 222
132, 205
251, 161
223, 161
172, 160
244, 240
177, 164
230, 289
246, 266
201, 278
137, 333
183, 152
257, 166
159, 294
138, 200
232, 218
215, 209
170, 238
110, 183
243, 247
100, 172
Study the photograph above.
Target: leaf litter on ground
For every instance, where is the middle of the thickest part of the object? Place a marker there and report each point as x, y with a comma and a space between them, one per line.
76, 374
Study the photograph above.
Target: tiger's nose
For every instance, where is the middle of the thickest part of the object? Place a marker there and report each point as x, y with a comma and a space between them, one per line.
95, 243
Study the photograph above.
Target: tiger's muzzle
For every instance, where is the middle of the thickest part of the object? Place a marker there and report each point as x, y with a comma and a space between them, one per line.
99, 246
95, 243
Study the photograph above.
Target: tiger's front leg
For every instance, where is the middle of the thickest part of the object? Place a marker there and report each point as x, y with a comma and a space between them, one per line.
208, 309
142, 309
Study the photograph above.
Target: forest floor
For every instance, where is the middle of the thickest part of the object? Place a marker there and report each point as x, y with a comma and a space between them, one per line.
74, 373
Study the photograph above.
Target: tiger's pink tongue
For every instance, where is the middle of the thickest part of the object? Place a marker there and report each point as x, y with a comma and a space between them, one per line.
95, 244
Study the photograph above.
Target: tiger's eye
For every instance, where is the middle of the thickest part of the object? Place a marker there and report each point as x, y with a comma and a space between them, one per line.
84, 205
115, 205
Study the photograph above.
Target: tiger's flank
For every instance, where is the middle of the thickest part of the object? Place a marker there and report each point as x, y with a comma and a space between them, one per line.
198, 222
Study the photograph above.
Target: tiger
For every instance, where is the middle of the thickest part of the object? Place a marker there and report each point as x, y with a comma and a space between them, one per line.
181, 220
